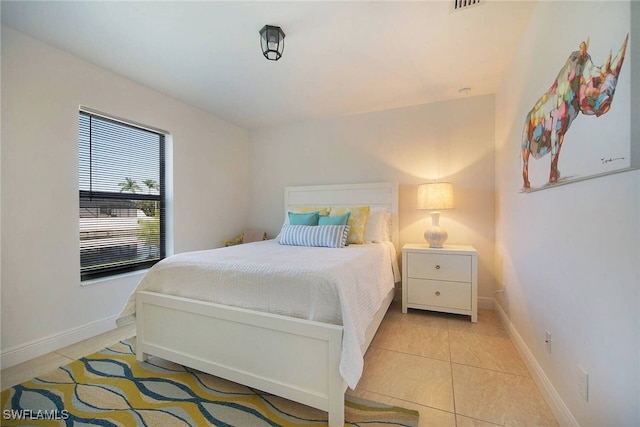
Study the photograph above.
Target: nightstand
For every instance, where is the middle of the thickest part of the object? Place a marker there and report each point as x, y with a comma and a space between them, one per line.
443, 279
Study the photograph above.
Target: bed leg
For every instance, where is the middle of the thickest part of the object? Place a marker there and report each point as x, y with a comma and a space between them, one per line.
336, 412
141, 356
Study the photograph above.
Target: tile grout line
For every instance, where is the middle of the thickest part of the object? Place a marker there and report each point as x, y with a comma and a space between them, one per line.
409, 354
471, 366
453, 387
492, 370
65, 356
409, 401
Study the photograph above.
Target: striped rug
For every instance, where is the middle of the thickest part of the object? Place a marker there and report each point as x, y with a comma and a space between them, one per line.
110, 388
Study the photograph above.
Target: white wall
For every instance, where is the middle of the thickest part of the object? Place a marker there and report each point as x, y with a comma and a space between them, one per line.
446, 141
568, 256
43, 304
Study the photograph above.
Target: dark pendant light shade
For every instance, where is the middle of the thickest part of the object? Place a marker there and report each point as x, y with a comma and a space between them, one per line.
272, 42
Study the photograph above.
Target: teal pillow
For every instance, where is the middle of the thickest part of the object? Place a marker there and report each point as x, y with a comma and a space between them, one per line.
310, 218
334, 220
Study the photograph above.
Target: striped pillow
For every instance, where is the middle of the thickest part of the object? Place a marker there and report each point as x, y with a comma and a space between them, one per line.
330, 236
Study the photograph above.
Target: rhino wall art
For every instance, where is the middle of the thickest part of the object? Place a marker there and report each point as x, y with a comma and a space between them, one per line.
580, 87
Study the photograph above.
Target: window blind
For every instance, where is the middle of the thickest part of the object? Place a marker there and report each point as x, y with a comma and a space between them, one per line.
122, 202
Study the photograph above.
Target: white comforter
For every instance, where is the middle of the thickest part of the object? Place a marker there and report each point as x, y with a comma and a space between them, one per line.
339, 286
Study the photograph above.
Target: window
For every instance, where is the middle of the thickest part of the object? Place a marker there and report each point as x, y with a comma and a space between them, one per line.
122, 199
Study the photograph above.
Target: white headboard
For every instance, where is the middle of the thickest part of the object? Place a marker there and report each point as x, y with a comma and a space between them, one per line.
383, 194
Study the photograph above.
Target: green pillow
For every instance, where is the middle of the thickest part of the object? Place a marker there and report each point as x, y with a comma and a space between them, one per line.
334, 220
310, 218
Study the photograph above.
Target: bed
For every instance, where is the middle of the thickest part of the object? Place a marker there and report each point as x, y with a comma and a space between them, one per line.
307, 358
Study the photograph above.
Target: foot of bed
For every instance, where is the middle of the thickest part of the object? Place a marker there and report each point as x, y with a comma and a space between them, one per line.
336, 412
336, 420
142, 357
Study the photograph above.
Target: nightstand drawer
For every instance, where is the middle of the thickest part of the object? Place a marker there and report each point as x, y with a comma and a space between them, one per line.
455, 268
439, 294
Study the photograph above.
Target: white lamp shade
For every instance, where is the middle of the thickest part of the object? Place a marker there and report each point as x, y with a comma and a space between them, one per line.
436, 196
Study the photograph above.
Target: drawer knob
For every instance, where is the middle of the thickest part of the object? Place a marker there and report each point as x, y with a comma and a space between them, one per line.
438, 267
437, 293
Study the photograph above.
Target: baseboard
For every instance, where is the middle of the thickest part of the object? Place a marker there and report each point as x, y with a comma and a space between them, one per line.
33, 349
556, 404
486, 303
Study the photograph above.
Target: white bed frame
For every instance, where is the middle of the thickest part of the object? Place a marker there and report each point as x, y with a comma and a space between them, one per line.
293, 358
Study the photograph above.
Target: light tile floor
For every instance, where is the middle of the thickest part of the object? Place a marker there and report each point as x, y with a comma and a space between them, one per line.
51, 361
456, 373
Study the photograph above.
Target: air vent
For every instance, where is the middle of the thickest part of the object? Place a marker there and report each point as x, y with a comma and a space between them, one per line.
464, 4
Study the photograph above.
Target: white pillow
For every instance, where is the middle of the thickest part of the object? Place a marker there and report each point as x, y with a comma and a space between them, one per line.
378, 224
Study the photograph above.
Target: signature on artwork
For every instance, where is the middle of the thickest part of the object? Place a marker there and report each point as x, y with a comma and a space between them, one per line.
609, 160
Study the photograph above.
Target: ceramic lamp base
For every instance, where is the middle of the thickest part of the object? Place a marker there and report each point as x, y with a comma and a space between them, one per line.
436, 236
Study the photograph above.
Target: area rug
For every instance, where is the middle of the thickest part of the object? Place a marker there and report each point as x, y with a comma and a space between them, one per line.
111, 388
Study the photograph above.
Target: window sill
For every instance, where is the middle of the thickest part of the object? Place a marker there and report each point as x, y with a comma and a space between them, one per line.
114, 277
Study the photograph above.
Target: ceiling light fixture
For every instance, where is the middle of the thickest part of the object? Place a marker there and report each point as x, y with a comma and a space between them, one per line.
272, 42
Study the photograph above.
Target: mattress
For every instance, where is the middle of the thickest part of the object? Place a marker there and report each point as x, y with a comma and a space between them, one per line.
343, 286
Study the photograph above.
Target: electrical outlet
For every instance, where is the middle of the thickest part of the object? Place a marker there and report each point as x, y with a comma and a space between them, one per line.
583, 383
547, 341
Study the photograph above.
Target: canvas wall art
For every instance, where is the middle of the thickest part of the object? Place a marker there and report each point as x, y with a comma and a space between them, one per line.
583, 126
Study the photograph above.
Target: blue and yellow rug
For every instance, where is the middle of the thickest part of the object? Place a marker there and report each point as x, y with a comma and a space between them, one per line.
110, 388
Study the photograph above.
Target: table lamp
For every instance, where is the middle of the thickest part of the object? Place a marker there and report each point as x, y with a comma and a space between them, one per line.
435, 197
